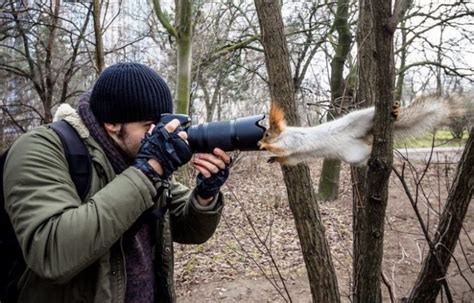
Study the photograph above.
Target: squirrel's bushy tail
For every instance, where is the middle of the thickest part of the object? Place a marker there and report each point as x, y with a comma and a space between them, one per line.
426, 113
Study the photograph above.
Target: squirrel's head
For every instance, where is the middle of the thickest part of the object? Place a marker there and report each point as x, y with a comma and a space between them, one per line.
277, 125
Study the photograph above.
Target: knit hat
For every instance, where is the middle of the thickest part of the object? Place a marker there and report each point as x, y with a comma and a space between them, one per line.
130, 92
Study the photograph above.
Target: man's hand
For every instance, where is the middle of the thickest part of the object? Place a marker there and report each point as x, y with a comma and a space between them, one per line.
170, 127
213, 172
208, 164
162, 151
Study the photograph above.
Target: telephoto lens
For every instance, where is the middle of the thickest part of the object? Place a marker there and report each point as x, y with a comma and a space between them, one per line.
239, 134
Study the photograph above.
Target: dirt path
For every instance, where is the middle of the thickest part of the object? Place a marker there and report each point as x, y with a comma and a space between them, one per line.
230, 266
435, 155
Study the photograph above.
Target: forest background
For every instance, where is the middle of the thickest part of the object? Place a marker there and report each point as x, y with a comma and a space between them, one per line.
219, 59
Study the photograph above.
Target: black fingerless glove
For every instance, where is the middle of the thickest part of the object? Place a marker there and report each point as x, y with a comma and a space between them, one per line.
167, 148
209, 187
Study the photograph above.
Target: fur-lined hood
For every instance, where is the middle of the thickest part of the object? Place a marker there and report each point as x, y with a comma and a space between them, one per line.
69, 114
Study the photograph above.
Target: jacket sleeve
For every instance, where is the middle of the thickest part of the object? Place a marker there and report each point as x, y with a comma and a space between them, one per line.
192, 223
59, 235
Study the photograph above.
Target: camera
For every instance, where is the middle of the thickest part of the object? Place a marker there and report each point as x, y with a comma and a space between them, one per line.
238, 134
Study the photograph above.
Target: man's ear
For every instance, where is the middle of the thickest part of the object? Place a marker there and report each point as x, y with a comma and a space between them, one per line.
113, 129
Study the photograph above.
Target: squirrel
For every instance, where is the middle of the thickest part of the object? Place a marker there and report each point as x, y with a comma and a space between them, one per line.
349, 138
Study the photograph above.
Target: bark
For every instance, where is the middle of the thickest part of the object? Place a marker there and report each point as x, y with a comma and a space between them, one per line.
435, 266
329, 181
375, 57
301, 196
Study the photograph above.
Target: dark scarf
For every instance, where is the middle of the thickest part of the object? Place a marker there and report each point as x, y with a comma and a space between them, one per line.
137, 241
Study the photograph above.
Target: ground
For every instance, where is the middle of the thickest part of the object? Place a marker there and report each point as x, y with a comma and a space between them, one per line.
256, 241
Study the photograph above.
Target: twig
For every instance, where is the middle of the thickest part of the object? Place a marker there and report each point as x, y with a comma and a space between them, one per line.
261, 242
465, 257
423, 227
415, 208
457, 264
247, 254
389, 288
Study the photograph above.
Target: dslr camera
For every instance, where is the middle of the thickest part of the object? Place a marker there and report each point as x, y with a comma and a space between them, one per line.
238, 134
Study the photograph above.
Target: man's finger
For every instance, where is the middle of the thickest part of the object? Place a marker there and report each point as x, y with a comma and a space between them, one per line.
212, 167
212, 159
222, 155
183, 135
152, 127
202, 170
172, 125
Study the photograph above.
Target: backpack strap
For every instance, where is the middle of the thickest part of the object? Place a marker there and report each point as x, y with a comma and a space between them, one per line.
77, 155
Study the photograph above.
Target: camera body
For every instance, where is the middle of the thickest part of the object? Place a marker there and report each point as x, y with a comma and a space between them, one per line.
238, 134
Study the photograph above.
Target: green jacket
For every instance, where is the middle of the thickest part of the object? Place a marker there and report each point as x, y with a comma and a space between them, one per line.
73, 248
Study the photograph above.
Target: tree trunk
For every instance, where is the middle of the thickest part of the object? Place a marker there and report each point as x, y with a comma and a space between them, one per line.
436, 264
211, 102
48, 62
375, 57
329, 181
301, 196
99, 43
328, 188
183, 82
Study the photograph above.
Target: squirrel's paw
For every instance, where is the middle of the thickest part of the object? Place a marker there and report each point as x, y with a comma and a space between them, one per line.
396, 108
271, 148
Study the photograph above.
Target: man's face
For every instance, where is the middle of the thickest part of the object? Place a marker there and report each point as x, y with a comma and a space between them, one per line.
129, 136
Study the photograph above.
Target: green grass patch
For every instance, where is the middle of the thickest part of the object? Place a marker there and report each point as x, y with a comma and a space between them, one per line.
442, 138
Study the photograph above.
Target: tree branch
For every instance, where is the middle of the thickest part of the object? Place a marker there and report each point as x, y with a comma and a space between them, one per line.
399, 10
163, 19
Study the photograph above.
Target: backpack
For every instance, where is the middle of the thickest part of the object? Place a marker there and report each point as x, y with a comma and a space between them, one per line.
12, 264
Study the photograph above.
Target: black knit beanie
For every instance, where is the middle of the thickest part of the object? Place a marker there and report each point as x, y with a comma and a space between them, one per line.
130, 92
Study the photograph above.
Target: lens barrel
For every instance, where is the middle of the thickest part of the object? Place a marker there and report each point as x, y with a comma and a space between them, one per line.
239, 134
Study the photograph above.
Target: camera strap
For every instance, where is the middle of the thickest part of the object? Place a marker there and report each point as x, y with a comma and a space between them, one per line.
159, 211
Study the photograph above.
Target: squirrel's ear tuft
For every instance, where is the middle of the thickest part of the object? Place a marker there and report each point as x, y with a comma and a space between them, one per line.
277, 118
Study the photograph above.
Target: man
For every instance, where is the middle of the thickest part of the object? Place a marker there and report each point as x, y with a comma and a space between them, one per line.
110, 247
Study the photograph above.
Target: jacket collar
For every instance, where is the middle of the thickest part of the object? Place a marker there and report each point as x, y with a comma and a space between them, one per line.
70, 115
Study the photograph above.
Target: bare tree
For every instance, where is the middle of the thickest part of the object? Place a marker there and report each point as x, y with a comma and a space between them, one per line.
34, 46
376, 28
329, 182
441, 248
302, 200
426, 52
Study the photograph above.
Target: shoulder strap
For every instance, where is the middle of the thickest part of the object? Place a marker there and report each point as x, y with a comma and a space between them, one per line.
77, 155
